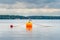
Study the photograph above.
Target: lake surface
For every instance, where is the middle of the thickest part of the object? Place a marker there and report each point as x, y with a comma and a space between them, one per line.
42, 30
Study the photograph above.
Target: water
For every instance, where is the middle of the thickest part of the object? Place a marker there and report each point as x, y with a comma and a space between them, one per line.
42, 30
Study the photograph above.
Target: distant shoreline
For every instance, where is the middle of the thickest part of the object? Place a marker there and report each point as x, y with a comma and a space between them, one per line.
28, 17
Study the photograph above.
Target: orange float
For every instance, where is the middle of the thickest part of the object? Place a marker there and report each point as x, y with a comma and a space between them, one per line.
29, 26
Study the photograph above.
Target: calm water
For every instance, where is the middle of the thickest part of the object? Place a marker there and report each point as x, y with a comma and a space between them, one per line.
42, 30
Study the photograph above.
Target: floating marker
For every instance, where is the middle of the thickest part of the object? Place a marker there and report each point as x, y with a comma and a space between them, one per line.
29, 26
11, 26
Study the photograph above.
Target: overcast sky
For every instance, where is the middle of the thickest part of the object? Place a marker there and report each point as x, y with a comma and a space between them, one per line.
30, 7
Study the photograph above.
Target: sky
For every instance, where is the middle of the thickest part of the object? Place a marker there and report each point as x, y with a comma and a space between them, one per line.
30, 7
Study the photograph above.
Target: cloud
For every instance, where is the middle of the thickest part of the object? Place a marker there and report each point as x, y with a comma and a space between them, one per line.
18, 5
43, 10
7, 1
53, 5
23, 5
30, 3
23, 8
40, 11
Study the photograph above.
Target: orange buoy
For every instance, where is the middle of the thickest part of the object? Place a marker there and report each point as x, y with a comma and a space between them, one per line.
29, 26
11, 26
